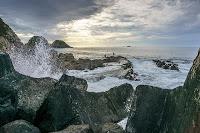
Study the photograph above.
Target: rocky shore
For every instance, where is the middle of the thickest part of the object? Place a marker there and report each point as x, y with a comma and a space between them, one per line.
43, 105
54, 105
47, 105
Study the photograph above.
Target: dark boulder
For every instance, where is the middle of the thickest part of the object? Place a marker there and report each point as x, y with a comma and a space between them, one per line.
60, 44
8, 104
60, 109
150, 105
6, 66
30, 92
80, 84
69, 106
19, 126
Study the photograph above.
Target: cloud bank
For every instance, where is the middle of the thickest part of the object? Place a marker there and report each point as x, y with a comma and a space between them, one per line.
106, 22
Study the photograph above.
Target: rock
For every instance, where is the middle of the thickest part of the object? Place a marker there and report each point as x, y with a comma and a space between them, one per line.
78, 83
19, 126
166, 64
69, 106
84, 128
31, 92
8, 38
60, 44
6, 66
112, 128
8, 96
150, 106
60, 109
8, 104
34, 41
67, 61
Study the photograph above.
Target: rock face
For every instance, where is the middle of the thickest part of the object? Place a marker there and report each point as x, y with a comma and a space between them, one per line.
19, 126
68, 106
8, 38
166, 64
60, 44
168, 111
150, 105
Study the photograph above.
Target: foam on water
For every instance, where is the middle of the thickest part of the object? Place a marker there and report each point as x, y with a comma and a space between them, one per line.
148, 73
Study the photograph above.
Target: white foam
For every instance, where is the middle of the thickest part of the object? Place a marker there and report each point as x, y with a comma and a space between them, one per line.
123, 123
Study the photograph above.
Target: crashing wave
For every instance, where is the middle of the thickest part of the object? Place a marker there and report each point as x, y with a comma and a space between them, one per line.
37, 63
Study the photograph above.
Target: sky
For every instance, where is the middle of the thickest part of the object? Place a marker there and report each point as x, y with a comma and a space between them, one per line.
100, 23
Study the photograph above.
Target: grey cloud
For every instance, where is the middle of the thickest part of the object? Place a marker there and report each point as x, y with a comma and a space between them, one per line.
37, 16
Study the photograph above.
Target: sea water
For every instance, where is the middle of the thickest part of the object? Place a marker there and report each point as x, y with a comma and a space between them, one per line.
39, 65
141, 58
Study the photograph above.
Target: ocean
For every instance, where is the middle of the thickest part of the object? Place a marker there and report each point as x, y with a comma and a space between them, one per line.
141, 57
134, 52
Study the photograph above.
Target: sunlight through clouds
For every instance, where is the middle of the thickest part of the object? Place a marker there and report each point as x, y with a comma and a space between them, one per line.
126, 20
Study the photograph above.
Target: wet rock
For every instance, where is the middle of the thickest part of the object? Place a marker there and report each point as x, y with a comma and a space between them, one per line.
8, 96
147, 115
78, 83
60, 44
31, 92
84, 128
166, 64
6, 66
19, 126
60, 109
8, 104
112, 128
68, 106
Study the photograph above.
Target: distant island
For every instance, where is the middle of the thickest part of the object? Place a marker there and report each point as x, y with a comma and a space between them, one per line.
60, 44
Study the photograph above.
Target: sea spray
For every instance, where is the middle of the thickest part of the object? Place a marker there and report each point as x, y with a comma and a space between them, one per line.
36, 62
